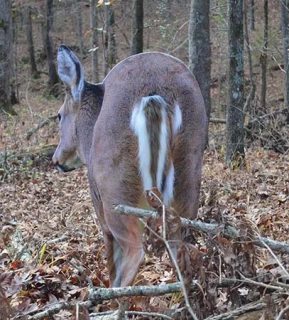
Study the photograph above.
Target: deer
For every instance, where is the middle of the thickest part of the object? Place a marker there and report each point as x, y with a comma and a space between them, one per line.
144, 126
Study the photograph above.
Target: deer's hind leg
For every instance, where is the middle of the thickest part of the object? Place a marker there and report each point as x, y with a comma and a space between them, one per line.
126, 249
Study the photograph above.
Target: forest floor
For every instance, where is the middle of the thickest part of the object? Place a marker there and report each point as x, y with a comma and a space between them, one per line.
51, 244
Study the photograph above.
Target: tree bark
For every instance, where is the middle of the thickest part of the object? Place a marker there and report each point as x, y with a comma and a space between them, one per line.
200, 48
263, 60
48, 47
137, 27
252, 15
109, 39
30, 44
94, 41
6, 62
285, 37
235, 152
79, 26
252, 77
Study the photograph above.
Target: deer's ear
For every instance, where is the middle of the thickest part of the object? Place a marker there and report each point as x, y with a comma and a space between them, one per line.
70, 71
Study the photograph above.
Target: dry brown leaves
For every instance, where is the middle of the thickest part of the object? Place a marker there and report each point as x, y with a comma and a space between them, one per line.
51, 248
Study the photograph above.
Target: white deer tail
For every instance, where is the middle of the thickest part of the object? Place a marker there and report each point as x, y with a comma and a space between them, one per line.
155, 123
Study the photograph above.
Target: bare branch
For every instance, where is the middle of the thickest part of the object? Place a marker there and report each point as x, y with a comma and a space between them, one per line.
98, 295
40, 125
213, 228
101, 315
216, 120
254, 306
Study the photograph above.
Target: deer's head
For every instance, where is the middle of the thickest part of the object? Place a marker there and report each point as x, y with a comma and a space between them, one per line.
78, 113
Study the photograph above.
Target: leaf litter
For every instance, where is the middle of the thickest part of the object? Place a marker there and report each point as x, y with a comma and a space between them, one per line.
51, 247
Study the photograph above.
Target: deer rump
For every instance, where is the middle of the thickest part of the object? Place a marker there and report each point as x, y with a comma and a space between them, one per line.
149, 131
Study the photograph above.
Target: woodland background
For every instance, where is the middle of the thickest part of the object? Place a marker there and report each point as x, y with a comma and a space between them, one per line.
51, 248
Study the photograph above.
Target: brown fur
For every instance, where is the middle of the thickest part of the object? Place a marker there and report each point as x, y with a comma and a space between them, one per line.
110, 149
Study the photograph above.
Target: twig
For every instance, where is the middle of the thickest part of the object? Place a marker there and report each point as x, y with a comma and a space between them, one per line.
174, 37
56, 240
216, 120
173, 259
257, 119
137, 313
41, 125
249, 97
280, 287
179, 46
27, 100
254, 306
280, 315
82, 272
148, 314
213, 228
261, 284
273, 255
268, 115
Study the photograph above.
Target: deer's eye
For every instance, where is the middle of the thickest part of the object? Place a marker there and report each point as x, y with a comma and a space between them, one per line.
59, 117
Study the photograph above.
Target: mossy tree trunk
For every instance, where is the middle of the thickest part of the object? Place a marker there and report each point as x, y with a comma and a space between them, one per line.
6, 62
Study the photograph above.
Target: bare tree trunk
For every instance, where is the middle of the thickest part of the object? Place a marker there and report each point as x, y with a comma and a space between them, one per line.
200, 48
6, 61
109, 39
235, 151
252, 15
48, 46
263, 60
285, 37
94, 41
79, 26
137, 27
252, 78
30, 44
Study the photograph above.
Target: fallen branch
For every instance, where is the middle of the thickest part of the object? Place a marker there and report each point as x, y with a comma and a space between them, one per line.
216, 120
212, 228
97, 296
254, 306
45, 151
110, 314
40, 125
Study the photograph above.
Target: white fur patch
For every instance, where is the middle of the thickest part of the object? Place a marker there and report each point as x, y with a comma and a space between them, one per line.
163, 148
168, 193
177, 119
138, 125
